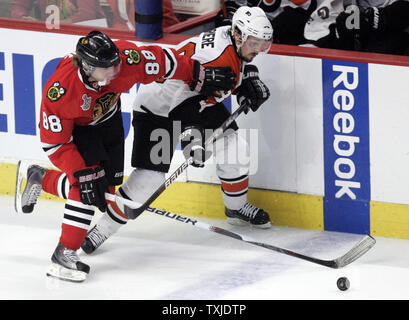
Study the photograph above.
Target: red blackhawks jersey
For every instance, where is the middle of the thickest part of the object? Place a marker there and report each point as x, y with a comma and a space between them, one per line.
68, 100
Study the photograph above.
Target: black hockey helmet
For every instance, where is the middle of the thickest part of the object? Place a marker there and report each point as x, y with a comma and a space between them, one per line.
97, 50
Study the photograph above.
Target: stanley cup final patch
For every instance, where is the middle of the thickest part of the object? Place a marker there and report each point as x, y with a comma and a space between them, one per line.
87, 102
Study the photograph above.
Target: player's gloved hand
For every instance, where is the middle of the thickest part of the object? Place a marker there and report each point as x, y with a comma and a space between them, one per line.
231, 8
252, 90
192, 139
210, 79
369, 21
222, 20
93, 184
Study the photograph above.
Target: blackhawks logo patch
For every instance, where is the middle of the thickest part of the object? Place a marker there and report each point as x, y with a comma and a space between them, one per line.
103, 105
55, 92
133, 56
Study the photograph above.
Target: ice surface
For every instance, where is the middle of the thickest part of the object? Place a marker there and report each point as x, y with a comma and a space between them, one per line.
154, 258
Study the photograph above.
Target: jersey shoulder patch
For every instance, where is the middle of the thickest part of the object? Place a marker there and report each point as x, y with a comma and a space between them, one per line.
133, 57
55, 92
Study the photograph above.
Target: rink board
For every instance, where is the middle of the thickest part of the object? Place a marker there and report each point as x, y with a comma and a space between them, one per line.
331, 149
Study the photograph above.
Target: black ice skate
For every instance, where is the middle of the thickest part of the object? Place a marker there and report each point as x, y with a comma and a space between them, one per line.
248, 214
94, 238
67, 265
25, 200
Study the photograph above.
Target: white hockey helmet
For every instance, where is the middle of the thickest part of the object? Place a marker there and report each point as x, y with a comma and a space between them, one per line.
252, 21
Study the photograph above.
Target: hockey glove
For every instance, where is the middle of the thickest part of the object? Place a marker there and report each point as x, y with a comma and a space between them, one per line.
252, 91
370, 21
192, 140
222, 20
92, 184
207, 80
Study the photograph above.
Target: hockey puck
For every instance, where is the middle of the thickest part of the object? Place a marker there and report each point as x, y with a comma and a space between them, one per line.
343, 283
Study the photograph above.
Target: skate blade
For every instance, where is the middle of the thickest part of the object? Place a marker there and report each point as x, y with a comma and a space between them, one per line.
22, 167
237, 222
62, 273
241, 223
262, 226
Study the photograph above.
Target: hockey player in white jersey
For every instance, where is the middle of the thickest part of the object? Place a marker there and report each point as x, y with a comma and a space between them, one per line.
288, 17
380, 26
161, 105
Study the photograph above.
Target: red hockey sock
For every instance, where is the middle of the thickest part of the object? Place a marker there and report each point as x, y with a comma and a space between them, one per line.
72, 237
56, 183
77, 220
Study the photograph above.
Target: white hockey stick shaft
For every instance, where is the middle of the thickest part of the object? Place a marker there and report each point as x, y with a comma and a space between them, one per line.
359, 249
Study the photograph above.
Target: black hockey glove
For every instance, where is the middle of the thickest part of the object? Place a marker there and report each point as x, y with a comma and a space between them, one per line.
222, 20
369, 21
252, 90
93, 184
289, 26
207, 80
192, 140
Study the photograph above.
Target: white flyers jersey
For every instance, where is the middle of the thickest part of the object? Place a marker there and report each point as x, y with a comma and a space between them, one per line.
212, 48
326, 13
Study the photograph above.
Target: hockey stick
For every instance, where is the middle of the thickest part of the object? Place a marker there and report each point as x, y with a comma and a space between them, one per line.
354, 253
132, 214
223, 7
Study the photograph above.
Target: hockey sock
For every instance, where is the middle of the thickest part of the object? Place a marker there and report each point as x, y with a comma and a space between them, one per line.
235, 191
113, 219
115, 214
109, 224
56, 183
141, 184
76, 221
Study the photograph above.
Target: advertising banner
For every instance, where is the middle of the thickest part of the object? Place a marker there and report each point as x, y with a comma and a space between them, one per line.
346, 146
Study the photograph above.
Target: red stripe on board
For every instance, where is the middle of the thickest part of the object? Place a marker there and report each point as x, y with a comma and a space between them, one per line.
173, 39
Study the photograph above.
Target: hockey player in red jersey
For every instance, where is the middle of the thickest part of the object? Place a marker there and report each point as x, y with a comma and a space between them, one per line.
81, 131
161, 105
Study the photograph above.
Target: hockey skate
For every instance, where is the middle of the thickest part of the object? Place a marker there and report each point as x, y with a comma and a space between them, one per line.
94, 238
24, 200
104, 228
248, 214
67, 265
